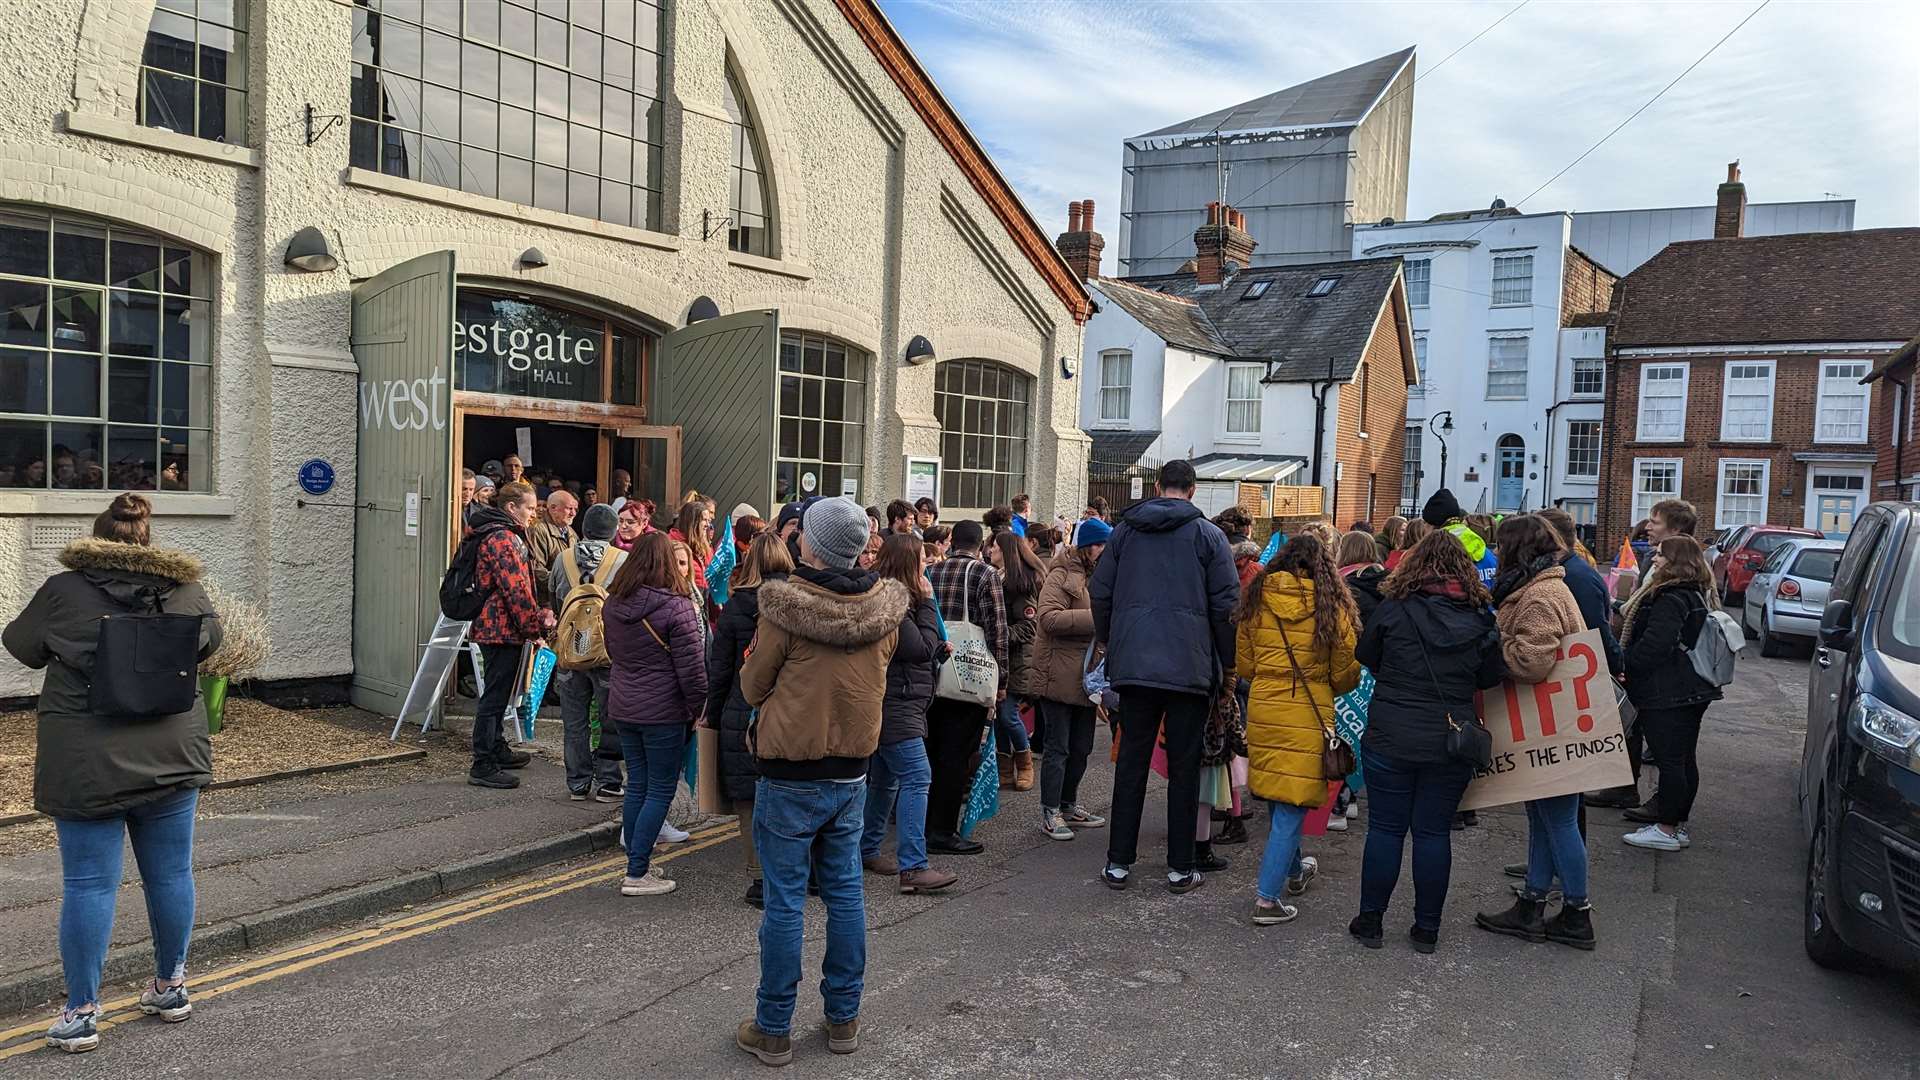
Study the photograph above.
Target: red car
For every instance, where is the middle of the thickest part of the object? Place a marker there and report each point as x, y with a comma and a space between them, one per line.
1740, 552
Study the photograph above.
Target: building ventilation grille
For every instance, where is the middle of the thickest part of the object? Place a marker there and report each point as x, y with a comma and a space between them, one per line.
48, 536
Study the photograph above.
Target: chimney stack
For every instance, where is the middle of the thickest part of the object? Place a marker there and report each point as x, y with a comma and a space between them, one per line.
1080, 245
1221, 246
1730, 207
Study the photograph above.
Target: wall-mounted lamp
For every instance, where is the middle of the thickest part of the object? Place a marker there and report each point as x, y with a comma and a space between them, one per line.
919, 350
1069, 366
702, 309
308, 251
532, 259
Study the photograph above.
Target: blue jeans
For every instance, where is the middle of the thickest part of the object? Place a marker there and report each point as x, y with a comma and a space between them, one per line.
1010, 733
1555, 847
1410, 798
657, 752
1282, 858
787, 817
90, 861
898, 770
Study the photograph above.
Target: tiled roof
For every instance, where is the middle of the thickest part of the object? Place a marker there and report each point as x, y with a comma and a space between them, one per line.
1802, 287
1902, 355
1305, 337
1590, 318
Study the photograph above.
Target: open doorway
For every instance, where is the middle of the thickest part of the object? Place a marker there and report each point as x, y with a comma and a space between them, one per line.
549, 450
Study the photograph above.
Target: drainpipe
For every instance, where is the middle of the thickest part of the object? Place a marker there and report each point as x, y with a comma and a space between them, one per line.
1546, 471
1320, 391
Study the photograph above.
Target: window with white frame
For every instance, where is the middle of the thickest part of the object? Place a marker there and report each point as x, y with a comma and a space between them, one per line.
1243, 399
1589, 376
1506, 368
1654, 480
1663, 403
1742, 496
1746, 404
1420, 364
1513, 279
1841, 414
1583, 448
1419, 281
1116, 384
1410, 465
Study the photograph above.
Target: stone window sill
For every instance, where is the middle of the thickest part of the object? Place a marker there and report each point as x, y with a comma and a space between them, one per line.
770, 266
481, 204
89, 503
168, 142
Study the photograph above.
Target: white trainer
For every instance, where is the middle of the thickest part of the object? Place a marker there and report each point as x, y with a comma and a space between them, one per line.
1652, 838
671, 835
654, 883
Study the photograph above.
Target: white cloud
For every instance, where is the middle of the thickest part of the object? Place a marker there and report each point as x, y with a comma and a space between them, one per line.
1811, 98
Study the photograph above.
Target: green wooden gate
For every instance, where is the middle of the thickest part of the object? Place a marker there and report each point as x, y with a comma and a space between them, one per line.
403, 343
717, 381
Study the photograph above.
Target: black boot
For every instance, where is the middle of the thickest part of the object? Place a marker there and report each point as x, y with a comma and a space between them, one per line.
1522, 920
1233, 832
1625, 797
1572, 926
1366, 927
755, 897
1205, 859
1646, 813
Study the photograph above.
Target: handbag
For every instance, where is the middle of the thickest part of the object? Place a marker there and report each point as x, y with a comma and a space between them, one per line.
971, 674
1470, 743
144, 662
1336, 758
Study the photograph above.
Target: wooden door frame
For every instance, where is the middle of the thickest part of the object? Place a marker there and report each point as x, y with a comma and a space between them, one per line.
669, 433
614, 421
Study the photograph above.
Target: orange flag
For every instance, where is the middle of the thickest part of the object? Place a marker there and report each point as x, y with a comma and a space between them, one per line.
1627, 561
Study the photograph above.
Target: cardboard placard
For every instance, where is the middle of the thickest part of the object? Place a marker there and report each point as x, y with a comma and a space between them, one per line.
713, 800
1556, 737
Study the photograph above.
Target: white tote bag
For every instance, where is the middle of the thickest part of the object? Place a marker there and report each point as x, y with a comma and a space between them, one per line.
971, 673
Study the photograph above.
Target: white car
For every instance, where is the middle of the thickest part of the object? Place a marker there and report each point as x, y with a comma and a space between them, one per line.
1788, 593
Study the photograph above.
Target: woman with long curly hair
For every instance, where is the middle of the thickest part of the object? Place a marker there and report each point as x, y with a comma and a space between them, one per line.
1297, 627
1657, 626
1430, 644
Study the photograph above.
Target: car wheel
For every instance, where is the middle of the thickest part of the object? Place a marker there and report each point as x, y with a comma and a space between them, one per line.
1822, 940
1769, 644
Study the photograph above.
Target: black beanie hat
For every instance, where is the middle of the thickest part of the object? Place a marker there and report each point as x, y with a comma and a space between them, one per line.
1440, 509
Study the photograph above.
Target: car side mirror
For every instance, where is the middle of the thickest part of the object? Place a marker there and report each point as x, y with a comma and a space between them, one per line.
1836, 624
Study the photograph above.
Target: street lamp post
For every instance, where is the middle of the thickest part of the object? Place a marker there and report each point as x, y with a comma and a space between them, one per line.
1441, 433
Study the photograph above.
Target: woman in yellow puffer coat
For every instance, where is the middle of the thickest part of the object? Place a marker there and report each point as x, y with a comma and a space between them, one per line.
1297, 627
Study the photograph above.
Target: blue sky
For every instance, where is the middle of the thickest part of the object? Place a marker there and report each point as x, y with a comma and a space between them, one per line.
1810, 97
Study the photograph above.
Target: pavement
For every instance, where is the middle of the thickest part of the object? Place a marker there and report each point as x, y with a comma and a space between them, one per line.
1031, 967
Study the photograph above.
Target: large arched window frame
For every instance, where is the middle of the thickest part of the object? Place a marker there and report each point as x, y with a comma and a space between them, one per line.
106, 351
193, 69
985, 412
749, 195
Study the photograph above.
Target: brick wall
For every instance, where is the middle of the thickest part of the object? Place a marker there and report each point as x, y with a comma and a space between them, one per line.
1885, 405
1585, 287
1380, 453
1796, 391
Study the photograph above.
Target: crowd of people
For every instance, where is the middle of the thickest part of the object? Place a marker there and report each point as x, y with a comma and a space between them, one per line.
864, 670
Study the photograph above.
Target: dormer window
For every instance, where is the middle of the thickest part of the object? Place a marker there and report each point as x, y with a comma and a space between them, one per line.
1324, 286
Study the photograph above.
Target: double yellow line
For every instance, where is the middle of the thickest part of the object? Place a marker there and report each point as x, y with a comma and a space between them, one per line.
300, 958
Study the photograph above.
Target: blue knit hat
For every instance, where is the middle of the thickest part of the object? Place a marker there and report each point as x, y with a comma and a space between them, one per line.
1090, 532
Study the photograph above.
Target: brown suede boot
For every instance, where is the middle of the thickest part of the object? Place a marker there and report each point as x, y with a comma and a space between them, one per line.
1006, 771
1023, 770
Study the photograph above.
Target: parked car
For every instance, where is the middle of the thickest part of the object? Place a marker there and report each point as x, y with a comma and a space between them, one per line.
1742, 555
1859, 782
1786, 598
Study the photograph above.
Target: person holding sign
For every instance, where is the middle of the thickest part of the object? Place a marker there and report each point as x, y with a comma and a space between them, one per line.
1536, 610
1430, 644
1296, 629
1657, 627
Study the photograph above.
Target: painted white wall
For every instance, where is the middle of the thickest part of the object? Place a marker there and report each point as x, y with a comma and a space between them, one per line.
1114, 328
1579, 342
1457, 322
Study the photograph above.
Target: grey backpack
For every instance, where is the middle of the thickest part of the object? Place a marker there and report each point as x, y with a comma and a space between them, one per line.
1714, 648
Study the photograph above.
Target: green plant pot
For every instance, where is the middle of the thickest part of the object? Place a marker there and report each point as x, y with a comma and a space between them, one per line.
213, 690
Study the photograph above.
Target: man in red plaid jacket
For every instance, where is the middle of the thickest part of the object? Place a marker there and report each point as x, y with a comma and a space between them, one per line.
510, 618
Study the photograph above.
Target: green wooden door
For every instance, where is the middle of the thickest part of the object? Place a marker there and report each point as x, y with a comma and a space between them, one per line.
716, 382
403, 343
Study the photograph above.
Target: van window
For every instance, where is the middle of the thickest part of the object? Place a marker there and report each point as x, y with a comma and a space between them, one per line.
1860, 545
1816, 565
1902, 634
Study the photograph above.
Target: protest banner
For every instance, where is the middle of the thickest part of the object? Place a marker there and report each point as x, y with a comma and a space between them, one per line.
1556, 737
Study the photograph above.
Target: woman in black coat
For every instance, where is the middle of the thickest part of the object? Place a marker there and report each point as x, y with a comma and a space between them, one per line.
1658, 625
899, 775
727, 712
1430, 644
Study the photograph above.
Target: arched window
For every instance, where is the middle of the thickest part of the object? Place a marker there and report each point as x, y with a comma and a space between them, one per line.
558, 108
747, 199
193, 69
983, 411
105, 356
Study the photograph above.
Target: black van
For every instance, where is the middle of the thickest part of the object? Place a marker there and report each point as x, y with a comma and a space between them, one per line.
1859, 785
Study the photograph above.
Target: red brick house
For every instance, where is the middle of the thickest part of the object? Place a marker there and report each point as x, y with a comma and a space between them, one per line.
1738, 376
1896, 472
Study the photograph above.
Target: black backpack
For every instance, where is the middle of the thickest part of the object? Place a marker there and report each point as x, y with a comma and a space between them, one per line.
461, 597
145, 662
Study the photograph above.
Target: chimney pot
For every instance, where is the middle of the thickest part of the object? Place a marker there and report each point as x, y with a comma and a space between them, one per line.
1221, 245
1733, 172
1080, 245
1073, 217
1086, 214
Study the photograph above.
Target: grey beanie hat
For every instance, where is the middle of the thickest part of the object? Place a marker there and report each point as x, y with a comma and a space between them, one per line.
600, 522
836, 530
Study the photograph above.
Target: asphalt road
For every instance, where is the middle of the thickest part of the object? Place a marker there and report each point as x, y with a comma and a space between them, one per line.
1030, 967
